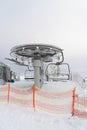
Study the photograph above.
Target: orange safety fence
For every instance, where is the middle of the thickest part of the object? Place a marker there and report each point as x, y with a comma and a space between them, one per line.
73, 101
8, 91
4, 93
80, 106
21, 96
54, 102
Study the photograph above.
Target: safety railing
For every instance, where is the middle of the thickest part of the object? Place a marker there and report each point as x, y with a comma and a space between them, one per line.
54, 102
80, 108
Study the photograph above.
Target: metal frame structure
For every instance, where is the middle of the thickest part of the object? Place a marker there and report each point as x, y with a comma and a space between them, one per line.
58, 71
37, 54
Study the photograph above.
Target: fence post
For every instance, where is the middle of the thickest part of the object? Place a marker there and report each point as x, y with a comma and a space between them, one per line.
73, 101
33, 96
8, 92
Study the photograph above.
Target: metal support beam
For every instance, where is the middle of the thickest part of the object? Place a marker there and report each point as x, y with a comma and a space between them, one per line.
37, 71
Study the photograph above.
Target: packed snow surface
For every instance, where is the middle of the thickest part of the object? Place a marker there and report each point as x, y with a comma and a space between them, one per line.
14, 117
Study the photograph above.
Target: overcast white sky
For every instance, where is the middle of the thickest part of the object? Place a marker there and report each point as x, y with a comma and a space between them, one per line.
58, 22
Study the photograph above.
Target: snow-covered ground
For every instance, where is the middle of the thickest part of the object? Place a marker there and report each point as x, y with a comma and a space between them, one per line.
14, 117
23, 84
50, 86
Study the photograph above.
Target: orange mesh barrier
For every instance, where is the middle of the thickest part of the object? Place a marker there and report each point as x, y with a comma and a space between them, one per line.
73, 101
21, 96
33, 96
8, 91
81, 106
54, 102
3, 93
59, 102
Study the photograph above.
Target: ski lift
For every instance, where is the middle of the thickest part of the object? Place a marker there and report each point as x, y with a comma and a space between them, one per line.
57, 72
39, 53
